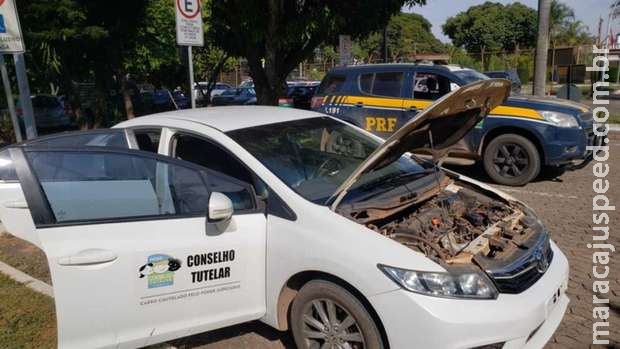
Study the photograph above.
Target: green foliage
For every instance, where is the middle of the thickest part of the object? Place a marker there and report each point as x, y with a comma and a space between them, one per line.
493, 27
408, 34
276, 35
460, 57
564, 29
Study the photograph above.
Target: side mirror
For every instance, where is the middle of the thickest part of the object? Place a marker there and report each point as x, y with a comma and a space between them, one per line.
220, 208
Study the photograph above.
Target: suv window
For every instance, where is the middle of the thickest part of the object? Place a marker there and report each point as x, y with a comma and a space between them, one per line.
332, 84
231, 177
430, 86
85, 186
387, 84
148, 140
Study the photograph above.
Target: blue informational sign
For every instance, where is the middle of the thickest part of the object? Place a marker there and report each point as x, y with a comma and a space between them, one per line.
2, 26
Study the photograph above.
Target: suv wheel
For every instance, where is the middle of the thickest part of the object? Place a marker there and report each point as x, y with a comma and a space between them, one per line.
325, 315
511, 159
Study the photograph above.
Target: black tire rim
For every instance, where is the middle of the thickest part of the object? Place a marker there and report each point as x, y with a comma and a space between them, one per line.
328, 325
511, 160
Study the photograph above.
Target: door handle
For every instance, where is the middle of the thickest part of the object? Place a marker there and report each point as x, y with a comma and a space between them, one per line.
359, 104
88, 257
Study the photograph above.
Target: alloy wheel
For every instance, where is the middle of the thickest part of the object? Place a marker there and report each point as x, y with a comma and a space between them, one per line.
510, 160
328, 325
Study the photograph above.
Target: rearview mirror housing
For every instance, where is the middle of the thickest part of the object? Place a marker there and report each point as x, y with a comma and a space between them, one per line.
220, 208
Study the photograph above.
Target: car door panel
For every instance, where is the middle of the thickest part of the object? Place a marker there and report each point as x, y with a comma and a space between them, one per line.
129, 280
14, 212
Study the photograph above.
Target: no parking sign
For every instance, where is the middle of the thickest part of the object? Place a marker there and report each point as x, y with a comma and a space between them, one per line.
189, 23
10, 31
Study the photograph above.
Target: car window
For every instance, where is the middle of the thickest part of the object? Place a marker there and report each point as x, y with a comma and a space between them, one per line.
206, 154
430, 86
332, 84
114, 138
86, 186
7, 168
148, 140
315, 156
387, 84
469, 75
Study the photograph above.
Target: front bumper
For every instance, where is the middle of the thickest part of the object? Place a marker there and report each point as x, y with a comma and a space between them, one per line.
569, 147
525, 320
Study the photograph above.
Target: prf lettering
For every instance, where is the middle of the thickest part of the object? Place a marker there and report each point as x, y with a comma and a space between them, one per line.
380, 124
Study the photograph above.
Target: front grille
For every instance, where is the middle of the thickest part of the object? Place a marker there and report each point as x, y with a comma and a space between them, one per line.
524, 276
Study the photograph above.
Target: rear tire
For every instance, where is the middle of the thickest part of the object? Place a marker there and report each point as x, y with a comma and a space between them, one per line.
327, 315
511, 159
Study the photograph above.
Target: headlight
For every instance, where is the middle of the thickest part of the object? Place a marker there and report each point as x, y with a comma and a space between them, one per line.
464, 283
560, 119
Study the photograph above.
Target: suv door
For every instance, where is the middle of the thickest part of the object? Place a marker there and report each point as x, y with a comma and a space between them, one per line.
133, 259
379, 107
12, 202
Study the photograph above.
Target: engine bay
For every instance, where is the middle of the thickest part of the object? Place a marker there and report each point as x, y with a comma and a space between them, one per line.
460, 225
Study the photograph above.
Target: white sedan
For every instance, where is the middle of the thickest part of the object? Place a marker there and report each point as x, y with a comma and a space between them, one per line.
188, 221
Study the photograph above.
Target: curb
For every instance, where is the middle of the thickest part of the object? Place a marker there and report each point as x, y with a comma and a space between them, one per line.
27, 280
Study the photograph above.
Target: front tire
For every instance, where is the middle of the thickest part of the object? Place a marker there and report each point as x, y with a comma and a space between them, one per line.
512, 160
325, 315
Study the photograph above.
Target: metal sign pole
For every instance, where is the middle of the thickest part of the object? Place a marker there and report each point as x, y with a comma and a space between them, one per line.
190, 59
24, 96
9, 99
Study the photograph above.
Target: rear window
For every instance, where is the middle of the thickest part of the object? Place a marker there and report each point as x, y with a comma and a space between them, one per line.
382, 84
7, 168
332, 84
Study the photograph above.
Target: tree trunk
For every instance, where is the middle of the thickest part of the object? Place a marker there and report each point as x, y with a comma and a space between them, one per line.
213, 79
127, 102
542, 47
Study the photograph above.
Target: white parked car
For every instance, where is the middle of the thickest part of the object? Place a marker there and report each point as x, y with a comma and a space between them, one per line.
217, 89
287, 216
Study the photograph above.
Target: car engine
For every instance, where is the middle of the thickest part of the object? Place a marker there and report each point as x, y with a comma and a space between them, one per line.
459, 224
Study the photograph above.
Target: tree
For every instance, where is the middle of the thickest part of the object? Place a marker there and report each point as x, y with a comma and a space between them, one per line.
493, 27
564, 28
542, 47
79, 39
276, 35
408, 34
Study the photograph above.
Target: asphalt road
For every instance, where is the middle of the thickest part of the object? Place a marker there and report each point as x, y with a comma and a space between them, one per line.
566, 207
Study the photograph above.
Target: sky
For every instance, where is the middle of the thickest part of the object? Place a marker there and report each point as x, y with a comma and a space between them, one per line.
587, 11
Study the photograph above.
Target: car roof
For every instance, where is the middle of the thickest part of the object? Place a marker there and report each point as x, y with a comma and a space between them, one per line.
389, 66
229, 118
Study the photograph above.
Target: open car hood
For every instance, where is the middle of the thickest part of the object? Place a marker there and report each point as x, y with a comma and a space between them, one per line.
437, 128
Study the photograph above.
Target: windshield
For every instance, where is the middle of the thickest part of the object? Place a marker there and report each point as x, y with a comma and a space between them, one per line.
469, 76
315, 156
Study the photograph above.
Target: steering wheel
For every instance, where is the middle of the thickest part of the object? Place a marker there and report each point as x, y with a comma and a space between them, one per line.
329, 167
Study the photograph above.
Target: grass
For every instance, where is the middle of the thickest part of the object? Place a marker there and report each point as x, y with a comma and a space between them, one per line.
27, 318
24, 256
